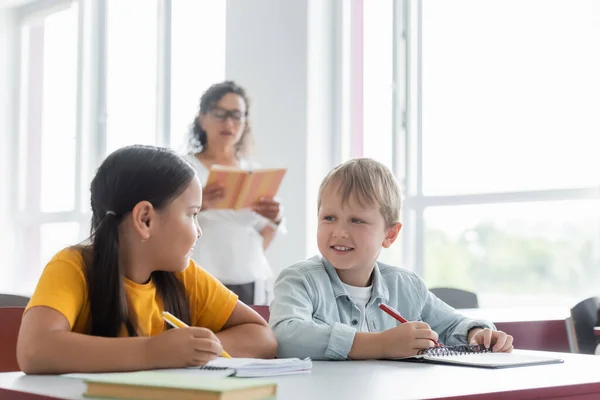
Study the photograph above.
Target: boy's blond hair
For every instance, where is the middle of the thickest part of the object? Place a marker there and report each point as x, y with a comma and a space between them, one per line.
370, 183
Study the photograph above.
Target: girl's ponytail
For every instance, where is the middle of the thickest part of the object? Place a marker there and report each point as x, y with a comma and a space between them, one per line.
109, 308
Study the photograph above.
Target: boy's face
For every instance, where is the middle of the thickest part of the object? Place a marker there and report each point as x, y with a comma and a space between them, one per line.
351, 236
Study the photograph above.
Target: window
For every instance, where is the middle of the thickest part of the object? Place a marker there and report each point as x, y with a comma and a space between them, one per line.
198, 60
378, 80
88, 88
496, 154
509, 128
369, 90
131, 73
539, 253
502, 101
48, 138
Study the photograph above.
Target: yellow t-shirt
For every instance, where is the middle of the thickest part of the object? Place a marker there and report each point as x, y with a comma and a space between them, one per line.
63, 287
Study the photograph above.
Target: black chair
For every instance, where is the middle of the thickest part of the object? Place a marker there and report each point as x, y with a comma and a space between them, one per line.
13, 300
584, 317
456, 298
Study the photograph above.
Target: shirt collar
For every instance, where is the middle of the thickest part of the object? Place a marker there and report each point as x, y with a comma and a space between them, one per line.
380, 290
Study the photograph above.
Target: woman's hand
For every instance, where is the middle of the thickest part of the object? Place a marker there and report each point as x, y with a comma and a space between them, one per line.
268, 208
212, 194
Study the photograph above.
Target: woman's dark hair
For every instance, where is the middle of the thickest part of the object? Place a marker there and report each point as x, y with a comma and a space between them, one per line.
208, 101
126, 177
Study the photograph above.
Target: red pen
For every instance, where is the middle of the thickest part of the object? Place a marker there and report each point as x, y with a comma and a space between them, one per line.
396, 315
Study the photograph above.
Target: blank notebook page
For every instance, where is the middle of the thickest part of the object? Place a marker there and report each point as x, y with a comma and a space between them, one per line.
249, 367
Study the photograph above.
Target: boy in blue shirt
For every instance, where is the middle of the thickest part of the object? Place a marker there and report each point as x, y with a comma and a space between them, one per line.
327, 307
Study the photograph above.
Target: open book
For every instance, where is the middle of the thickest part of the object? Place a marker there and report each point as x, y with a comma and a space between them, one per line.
244, 188
479, 356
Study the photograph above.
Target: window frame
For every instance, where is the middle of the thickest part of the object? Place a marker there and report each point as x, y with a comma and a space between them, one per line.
91, 117
416, 202
29, 220
407, 136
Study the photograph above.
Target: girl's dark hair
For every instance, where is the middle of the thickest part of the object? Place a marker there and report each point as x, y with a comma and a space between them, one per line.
126, 177
208, 101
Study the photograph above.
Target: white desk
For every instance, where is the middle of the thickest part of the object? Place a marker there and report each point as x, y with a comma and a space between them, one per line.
359, 380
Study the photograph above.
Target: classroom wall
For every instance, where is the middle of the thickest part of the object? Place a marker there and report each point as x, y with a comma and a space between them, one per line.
6, 138
281, 52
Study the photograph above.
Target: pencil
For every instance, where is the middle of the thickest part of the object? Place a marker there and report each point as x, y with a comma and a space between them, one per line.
177, 323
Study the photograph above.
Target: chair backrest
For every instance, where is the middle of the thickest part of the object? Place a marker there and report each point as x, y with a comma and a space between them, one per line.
10, 322
585, 317
571, 336
456, 298
13, 300
263, 311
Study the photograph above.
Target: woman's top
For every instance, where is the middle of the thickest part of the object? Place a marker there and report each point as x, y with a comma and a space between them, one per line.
231, 247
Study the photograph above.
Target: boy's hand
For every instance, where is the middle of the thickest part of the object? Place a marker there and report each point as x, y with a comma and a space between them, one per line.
211, 194
184, 347
268, 208
488, 337
407, 339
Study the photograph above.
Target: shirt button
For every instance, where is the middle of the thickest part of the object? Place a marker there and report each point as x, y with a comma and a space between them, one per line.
354, 322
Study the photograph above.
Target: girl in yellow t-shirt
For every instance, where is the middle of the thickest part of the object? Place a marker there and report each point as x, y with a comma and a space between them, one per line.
98, 307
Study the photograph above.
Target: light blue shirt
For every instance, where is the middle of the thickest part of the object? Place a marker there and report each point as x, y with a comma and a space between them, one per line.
312, 315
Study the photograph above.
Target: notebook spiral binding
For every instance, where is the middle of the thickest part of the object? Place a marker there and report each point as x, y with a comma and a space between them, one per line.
454, 350
211, 368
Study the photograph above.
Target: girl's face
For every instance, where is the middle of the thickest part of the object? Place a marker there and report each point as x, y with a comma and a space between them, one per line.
225, 123
177, 230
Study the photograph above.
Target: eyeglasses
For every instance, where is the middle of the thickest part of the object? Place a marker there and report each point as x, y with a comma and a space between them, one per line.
222, 114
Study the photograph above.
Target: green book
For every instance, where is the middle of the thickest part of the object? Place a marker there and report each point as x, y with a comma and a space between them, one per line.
157, 385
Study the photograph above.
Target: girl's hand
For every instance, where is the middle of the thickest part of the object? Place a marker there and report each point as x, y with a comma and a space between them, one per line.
211, 194
185, 347
268, 208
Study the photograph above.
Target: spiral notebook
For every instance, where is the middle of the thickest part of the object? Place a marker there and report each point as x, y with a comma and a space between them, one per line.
479, 356
255, 367
224, 367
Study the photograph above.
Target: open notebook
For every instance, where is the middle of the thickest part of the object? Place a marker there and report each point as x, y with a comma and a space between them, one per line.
479, 356
223, 367
254, 367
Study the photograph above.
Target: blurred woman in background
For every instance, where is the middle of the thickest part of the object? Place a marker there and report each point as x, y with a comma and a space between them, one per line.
234, 242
